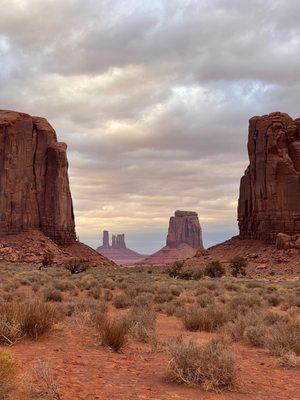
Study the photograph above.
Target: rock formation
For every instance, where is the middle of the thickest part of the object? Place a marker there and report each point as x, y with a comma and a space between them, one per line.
286, 242
184, 239
269, 201
118, 252
36, 211
184, 227
34, 184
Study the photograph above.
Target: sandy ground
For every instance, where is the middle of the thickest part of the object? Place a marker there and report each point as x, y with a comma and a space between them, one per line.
85, 370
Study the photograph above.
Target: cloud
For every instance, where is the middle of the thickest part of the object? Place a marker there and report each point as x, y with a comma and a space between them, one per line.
153, 99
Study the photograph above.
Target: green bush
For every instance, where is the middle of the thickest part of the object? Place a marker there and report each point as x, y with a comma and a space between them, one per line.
76, 266
48, 259
238, 266
214, 269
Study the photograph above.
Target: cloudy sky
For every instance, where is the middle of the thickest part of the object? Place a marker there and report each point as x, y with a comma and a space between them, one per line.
153, 99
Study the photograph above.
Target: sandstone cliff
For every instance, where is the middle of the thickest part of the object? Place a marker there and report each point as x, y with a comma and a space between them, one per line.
34, 184
184, 227
269, 201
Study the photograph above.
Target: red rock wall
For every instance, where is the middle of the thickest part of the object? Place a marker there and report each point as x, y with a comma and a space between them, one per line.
184, 227
34, 184
269, 200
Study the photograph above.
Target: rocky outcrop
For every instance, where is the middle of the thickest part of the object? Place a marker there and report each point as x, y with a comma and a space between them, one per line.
269, 201
184, 239
120, 242
105, 242
118, 252
286, 242
34, 184
184, 227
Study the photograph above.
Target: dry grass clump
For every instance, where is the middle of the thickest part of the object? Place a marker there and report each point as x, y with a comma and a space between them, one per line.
52, 294
142, 324
113, 332
210, 364
122, 301
30, 319
283, 337
94, 292
9, 368
246, 326
289, 359
44, 373
208, 319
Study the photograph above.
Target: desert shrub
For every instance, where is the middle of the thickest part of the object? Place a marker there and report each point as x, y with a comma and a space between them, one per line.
37, 318
175, 290
214, 269
44, 372
142, 323
95, 292
274, 300
235, 329
205, 299
76, 265
63, 285
9, 368
255, 335
205, 319
283, 337
288, 359
175, 268
232, 287
238, 266
170, 309
107, 295
51, 294
163, 297
31, 318
271, 318
48, 259
241, 303
113, 333
210, 364
122, 301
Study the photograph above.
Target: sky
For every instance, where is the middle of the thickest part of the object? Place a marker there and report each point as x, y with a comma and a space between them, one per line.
153, 99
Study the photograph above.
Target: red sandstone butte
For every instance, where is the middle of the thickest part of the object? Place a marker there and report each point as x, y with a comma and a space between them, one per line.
183, 241
36, 210
34, 184
269, 201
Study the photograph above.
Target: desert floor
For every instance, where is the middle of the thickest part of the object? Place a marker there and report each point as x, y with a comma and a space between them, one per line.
70, 359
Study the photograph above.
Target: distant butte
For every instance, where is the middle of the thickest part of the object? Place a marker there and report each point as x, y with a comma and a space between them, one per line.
184, 239
118, 252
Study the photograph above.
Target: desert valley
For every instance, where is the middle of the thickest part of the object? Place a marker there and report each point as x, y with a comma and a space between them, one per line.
158, 311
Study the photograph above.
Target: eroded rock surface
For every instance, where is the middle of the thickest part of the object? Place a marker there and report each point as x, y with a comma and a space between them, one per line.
184, 227
34, 184
269, 201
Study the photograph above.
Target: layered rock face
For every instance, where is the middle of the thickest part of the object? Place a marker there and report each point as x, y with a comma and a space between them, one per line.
184, 227
269, 201
34, 184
